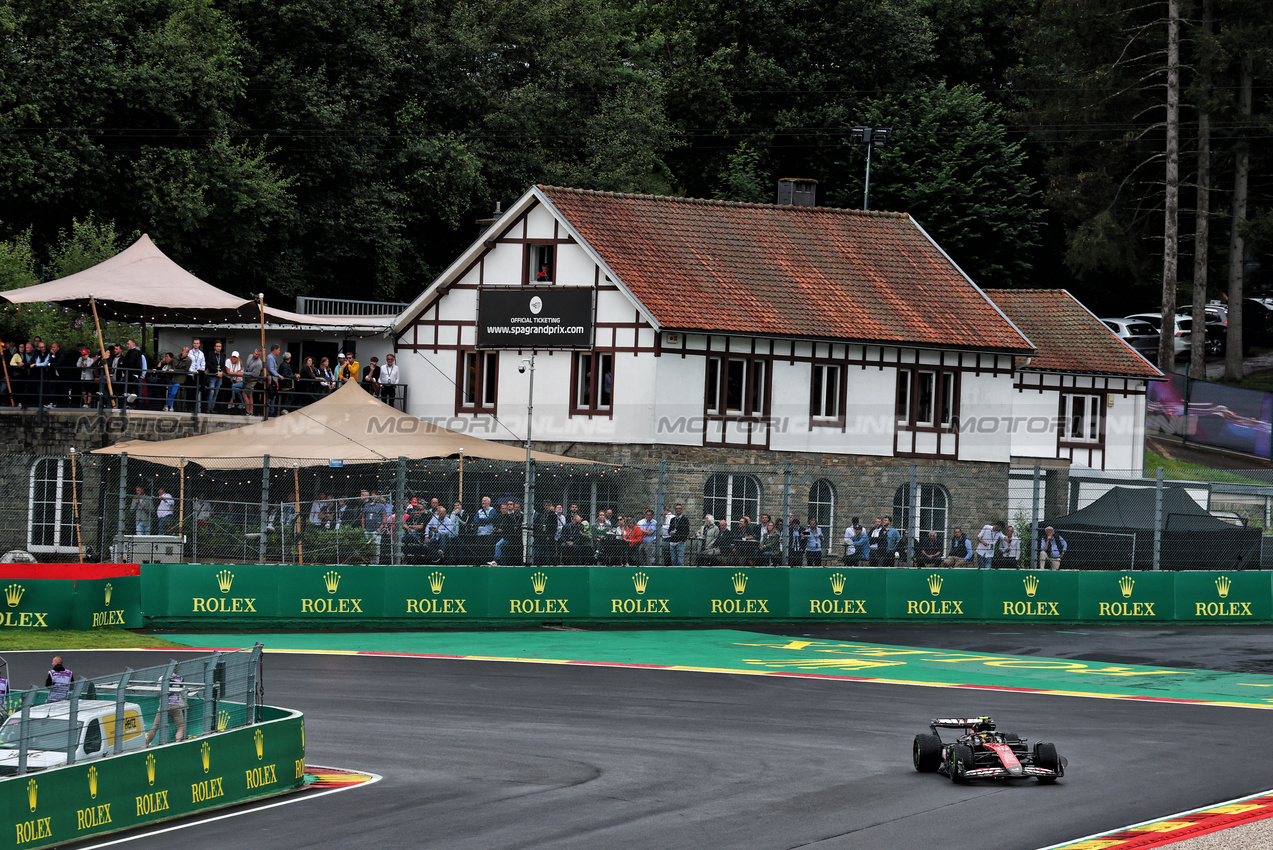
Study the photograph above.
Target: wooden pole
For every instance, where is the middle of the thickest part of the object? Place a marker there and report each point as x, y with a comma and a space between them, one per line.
75, 506
110, 390
4, 361
296, 482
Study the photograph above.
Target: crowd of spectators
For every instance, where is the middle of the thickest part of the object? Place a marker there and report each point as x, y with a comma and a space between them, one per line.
215, 380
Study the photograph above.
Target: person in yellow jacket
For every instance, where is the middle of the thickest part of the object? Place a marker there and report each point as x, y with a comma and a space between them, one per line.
347, 368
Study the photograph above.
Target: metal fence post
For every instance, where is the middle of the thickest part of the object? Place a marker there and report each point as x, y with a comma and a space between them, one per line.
660, 495
785, 519
399, 498
121, 691
914, 517
256, 685
528, 517
1157, 523
161, 716
209, 695
265, 505
24, 736
72, 714
119, 509
1034, 521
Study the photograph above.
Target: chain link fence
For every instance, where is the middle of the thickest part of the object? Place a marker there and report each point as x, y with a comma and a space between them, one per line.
76, 719
276, 510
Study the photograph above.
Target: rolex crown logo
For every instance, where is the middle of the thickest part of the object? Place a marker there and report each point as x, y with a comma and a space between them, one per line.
225, 579
640, 581
13, 594
150, 768
1125, 584
934, 584
206, 753
837, 583
332, 580
435, 582
302, 734
32, 791
259, 738
108, 593
539, 581
1031, 585
740, 582
92, 782
1222, 586
223, 720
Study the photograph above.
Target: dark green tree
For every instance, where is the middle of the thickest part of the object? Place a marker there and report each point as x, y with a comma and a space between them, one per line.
952, 165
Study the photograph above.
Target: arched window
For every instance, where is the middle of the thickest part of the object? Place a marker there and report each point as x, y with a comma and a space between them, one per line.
730, 497
51, 523
822, 506
931, 505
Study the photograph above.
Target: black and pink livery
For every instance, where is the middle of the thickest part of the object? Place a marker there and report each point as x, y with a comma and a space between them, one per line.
981, 752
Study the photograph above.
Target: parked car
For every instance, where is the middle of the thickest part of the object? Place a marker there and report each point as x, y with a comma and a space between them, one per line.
1181, 332
1257, 323
1141, 336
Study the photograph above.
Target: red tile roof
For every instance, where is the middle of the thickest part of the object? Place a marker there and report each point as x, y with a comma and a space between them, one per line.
1068, 338
786, 271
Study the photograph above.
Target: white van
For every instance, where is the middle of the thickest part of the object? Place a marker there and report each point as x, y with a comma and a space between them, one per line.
50, 733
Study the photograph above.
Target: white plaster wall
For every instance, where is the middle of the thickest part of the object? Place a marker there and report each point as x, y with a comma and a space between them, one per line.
677, 411
871, 407
985, 409
503, 265
1033, 431
574, 266
1124, 433
540, 224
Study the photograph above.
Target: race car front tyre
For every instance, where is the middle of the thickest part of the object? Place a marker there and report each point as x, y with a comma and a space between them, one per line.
1045, 757
960, 763
926, 752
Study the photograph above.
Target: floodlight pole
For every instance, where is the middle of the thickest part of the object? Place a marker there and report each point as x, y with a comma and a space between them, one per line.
528, 364
871, 137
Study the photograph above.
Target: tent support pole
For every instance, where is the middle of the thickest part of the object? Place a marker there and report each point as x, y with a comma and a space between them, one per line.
97, 323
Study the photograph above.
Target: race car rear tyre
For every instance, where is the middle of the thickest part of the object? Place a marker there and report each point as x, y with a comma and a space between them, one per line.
960, 763
1045, 757
926, 753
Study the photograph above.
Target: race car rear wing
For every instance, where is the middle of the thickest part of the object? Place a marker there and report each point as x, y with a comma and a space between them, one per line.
962, 723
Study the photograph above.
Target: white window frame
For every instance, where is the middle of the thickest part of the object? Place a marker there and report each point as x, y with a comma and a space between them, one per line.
822, 496
732, 491
599, 399
486, 380
827, 402
1094, 405
63, 519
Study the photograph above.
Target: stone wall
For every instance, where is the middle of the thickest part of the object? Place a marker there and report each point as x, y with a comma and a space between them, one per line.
864, 486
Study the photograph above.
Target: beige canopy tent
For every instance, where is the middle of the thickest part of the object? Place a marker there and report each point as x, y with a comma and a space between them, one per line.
139, 284
348, 426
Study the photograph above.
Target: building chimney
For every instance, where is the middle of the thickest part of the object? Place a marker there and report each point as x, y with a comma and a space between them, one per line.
797, 192
485, 224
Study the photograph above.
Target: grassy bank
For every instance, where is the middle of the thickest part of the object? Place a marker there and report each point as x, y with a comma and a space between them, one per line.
12, 640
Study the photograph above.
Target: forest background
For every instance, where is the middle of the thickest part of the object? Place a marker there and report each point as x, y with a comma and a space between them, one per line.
344, 148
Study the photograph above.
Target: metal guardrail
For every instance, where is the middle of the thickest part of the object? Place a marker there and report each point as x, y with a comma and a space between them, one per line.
108, 715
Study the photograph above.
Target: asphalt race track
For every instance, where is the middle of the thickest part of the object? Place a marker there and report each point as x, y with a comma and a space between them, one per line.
507, 755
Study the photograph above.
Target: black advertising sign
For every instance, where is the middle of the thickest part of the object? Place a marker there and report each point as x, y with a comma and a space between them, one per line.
534, 318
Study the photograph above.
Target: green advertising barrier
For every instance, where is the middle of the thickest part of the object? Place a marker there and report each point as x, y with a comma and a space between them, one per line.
193, 595
52, 807
39, 603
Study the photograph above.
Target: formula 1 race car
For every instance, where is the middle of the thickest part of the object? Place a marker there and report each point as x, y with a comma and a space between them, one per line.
980, 752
